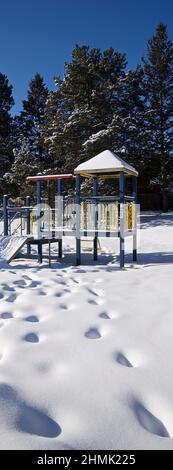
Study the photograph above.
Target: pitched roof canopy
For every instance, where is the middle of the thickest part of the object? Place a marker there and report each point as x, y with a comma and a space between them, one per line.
105, 163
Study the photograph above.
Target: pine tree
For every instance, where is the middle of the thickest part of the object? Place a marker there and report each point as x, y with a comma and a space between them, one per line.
30, 151
53, 131
108, 104
83, 104
32, 116
6, 127
132, 120
158, 81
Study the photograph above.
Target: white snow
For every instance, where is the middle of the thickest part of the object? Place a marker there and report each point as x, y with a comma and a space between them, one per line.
9, 246
86, 352
94, 137
105, 161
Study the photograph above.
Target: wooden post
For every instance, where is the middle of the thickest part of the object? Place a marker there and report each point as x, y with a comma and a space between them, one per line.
95, 187
5, 214
28, 225
78, 242
122, 219
134, 189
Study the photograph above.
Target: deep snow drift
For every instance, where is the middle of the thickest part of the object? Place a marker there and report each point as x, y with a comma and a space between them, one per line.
86, 352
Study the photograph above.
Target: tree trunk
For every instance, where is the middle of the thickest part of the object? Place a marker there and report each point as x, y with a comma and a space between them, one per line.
163, 157
164, 201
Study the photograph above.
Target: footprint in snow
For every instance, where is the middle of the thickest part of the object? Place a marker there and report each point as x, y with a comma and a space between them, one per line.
96, 293
64, 306
75, 280
32, 319
93, 333
58, 294
80, 271
11, 298
104, 316
27, 418
41, 292
6, 315
26, 277
31, 338
121, 359
34, 421
43, 367
21, 283
95, 302
8, 288
34, 284
149, 422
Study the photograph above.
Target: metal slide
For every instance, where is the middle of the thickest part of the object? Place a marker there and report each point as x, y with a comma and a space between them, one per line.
9, 247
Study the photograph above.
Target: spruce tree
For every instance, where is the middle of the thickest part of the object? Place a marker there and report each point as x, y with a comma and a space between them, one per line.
30, 151
83, 104
132, 119
124, 128
6, 127
32, 116
158, 83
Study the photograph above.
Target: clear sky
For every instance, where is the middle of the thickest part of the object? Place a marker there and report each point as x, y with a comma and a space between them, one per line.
38, 35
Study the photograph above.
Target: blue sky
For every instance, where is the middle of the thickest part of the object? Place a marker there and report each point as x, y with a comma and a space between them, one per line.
38, 35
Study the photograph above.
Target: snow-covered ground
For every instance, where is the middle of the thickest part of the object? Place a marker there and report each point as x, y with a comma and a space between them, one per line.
86, 352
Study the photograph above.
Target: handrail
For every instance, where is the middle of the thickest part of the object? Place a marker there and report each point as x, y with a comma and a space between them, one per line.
19, 214
129, 198
15, 230
13, 218
12, 208
101, 198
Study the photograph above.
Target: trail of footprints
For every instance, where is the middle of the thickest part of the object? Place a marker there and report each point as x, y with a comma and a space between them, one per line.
146, 419
35, 421
22, 283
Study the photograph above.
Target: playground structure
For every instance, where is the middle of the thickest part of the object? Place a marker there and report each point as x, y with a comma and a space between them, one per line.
83, 217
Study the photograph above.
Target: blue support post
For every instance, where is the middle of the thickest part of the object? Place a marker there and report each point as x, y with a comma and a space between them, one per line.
28, 225
60, 187
134, 192
78, 241
115, 185
59, 218
40, 255
5, 214
95, 187
38, 192
121, 219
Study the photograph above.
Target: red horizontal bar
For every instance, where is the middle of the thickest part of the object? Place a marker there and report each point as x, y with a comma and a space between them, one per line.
50, 177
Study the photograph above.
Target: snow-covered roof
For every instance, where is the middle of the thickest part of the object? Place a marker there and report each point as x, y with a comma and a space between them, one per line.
104, 163
41, 177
